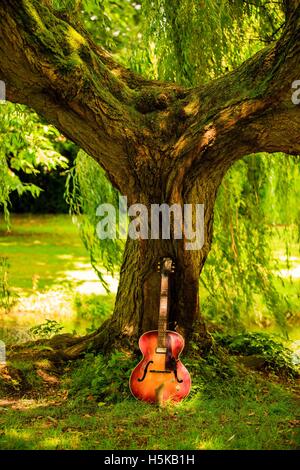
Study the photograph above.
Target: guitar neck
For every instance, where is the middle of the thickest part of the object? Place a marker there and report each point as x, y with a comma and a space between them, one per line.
163, 311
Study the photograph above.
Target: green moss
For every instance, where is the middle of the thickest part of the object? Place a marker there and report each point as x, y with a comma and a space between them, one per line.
34, 15
74, 38
68, 66
152, 100
85, 54
28, 372
56, 39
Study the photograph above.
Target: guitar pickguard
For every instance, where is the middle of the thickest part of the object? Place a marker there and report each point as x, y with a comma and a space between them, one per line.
171, 362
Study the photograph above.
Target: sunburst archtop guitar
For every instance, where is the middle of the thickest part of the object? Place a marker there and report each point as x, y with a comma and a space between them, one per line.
161, 376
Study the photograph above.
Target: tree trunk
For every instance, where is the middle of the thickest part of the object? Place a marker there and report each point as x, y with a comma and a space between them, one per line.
137, 302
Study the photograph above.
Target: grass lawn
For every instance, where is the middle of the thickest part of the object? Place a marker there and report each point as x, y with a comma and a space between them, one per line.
50, 276
45, 251
240, 412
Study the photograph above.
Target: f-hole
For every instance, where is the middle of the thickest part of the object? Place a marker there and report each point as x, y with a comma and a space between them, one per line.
145, 371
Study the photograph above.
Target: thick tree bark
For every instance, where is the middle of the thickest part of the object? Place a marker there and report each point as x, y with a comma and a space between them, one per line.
174, 145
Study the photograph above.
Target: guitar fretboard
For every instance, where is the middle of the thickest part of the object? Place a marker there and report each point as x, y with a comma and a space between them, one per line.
163, 311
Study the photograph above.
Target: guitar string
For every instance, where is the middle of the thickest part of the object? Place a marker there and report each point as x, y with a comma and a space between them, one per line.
163, 311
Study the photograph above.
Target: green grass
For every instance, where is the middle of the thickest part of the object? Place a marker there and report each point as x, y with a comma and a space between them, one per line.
48, 265
241, 412
41, 249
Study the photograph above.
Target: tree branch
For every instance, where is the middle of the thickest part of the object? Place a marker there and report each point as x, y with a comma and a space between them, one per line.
75, 85
289, 7
151, 137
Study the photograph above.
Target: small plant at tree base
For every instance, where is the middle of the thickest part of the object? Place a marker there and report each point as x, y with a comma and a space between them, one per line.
277, 357
47, 329
104, 378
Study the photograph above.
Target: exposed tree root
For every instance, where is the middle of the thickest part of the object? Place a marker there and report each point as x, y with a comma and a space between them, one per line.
66, 347
36, 366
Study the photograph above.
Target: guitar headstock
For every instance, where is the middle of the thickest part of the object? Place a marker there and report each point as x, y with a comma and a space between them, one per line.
166, 266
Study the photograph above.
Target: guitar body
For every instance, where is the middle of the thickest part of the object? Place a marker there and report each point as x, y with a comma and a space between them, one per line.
160, 376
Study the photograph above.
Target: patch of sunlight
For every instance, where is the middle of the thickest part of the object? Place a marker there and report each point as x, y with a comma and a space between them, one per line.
18, 434
128, 330
75, 440
295, 272
37, 242
290, 258
77, 275
193, 403
36, 308
181, 143
75, 39
192, 108
116, 72
72, 442
89, 281
86, 266
208, 137
97, 288
27, 404
53, 442
295, 347
204, 445
64, 256
24, 404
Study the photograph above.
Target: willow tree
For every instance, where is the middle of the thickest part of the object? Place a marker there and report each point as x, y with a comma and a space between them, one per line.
158, 141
